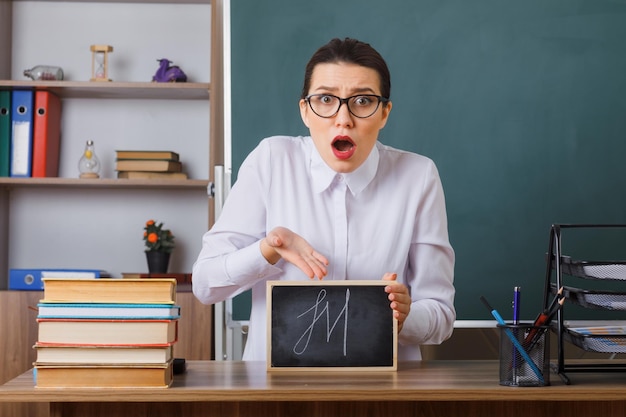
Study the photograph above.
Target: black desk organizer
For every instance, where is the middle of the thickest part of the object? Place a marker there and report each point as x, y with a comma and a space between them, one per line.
560, 266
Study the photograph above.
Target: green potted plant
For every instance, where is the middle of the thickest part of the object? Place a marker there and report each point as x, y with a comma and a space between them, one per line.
159, 244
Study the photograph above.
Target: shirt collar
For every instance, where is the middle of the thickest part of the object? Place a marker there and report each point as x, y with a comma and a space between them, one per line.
322, 175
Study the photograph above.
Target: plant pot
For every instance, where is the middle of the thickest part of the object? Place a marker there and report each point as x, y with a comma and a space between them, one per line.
157, 262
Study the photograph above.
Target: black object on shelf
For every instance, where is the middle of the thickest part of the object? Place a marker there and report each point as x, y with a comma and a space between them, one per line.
179, 366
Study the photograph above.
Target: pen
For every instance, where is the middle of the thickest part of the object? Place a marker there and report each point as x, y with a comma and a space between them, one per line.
516, 309
516, 304
515, 342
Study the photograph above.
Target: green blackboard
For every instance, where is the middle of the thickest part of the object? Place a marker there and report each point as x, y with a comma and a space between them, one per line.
521, 104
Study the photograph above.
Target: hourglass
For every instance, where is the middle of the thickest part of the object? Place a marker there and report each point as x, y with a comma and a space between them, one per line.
100, 62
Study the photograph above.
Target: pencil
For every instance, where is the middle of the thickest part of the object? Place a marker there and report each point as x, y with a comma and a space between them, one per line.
559, 293
544, 317
555, 309
534, 336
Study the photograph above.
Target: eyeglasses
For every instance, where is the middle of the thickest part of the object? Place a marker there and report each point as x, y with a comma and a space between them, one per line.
361, 106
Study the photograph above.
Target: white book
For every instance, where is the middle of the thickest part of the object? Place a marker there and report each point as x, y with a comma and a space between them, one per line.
105, 355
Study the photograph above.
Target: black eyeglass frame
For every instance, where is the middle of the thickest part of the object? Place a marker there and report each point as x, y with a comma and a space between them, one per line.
346, 100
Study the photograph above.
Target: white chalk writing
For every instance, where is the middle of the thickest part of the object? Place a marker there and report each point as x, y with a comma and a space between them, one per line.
319, 311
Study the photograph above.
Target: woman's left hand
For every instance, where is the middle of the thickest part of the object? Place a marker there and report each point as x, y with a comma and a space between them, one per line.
399, 297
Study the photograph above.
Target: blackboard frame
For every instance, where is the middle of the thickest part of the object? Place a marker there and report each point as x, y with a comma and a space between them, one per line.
317, 291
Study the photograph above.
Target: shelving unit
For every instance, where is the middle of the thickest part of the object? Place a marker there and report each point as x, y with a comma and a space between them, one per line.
68, 221
74, 222
116, 90
103, 183
605, 336
143, 198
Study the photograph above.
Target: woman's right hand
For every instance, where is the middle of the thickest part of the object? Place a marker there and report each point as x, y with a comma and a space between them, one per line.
281, 242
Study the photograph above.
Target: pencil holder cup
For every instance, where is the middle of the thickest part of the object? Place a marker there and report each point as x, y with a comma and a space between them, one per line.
524, 355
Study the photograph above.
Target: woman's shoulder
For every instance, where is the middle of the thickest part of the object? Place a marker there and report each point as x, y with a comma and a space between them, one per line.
400, 156
279, 142
279, 147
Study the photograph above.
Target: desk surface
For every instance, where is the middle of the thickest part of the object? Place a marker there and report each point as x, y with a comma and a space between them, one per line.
249, 381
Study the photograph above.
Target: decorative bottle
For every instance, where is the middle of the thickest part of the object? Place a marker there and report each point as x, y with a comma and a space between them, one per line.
44, 72
89, 164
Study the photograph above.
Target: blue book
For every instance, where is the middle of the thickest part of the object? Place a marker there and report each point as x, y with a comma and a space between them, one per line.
22, 102
31, 279
118, 311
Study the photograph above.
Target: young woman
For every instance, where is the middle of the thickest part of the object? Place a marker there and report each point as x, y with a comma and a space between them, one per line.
339, 205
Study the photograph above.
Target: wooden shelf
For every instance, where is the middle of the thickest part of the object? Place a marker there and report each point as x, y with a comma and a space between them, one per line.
102, 183
115, 90
131, 1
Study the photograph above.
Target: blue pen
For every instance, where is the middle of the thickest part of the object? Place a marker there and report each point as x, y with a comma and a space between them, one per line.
517, 294
516, 309
515, 342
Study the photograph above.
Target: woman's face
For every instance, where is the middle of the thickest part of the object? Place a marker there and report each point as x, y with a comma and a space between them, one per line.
344, 141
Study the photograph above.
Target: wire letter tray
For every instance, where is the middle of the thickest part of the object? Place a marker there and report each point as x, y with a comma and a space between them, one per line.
612, 270
607, 339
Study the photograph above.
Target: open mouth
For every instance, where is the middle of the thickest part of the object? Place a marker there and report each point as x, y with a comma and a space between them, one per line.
343, 147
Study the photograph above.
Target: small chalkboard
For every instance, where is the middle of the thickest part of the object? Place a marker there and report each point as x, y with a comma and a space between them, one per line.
330, 325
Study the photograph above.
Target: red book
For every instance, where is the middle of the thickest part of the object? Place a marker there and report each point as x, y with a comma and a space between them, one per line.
46, 134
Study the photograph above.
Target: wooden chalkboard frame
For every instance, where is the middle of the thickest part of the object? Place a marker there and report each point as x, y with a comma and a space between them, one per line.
383, 350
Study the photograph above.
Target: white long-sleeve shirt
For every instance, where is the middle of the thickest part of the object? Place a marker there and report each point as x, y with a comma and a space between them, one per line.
388, 215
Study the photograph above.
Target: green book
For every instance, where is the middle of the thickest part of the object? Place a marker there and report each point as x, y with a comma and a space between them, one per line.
5, 132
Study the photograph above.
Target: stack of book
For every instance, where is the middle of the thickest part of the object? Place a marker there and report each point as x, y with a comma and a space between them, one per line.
106, 333
149, 165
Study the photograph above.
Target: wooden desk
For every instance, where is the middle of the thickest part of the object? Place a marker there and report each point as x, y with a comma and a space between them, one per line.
437, 388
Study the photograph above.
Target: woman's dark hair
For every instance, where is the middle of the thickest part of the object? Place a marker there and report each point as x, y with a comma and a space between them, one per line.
349, 51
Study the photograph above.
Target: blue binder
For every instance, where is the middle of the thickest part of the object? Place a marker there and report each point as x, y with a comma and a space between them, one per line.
30, 279
21, 133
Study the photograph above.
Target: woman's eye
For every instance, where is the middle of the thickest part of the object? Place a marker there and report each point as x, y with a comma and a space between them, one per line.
326, 99
362, 101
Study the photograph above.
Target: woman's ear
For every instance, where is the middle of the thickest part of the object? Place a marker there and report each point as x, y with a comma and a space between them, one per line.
304, 112
385, 114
